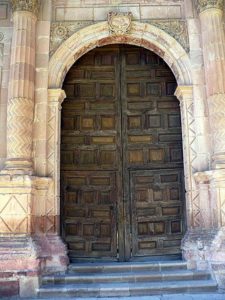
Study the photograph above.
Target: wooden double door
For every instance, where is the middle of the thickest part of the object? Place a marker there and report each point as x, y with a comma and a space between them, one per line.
121, 156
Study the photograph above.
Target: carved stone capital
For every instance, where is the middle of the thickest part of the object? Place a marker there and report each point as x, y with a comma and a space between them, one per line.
26, 5
203, 5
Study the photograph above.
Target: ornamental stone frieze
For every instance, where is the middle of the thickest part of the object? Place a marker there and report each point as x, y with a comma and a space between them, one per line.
26, 5
60, 31
203, 5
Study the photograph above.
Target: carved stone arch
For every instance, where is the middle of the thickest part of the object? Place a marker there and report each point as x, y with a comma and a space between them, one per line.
143, 35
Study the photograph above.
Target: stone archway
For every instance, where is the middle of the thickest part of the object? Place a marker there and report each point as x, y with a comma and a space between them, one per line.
143, 35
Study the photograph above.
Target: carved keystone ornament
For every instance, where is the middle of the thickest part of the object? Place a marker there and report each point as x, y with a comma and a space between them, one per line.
119, 23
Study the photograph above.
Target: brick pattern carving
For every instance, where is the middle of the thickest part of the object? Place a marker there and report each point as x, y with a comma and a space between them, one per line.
26, 5
202, 5
60, 31
19, 127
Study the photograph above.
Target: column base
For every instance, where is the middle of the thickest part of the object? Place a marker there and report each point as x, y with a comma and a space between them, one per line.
24, 258
18, 167
205, 249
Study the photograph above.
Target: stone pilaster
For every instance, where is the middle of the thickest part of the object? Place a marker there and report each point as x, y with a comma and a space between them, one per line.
213, 44
21, 88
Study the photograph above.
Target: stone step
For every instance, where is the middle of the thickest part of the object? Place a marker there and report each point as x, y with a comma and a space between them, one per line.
126, 289
137, 276
126, 267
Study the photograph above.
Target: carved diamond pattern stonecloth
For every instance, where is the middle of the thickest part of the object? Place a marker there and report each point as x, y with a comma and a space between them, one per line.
19, 126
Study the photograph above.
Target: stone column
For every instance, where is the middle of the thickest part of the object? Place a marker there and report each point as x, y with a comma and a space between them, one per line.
21, 87
213, 44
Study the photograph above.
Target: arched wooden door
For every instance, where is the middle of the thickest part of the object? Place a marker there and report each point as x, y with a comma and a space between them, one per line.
121, 156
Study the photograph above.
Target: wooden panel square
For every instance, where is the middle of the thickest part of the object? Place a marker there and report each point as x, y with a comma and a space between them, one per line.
107, 90
169, 178
133, 58
107, 157
146, 245
142, 195
100, 181
174, 194
143, 228
71, 198
171, 243
156, 155
146, 212
87, 157
77, 246
67, 123
158, 195
176, 155
103, 140
66, 157
159, 227
153, 89
102, 214
107, 59
154, 121
140, 139
101, 247
105, 230
75, 212
170, 137
136, 156
87, 123
134, 122
171, 211
105, 197
78, 140
176, 226
151, 59
174, 120
144, 179
87, 90
88, 197
88, 229
107, 122
72, 229
133, 89
76, 181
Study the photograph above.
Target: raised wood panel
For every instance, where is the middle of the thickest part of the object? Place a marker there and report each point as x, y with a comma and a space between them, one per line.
157, 211
121, 156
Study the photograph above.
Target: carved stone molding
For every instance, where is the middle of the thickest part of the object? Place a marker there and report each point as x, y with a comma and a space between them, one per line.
26, 5
176, 28
60, 31
119, 23
202, 5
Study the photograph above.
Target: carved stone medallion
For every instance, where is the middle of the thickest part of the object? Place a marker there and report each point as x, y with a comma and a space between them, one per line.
26, 5
202, 5
119, 23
